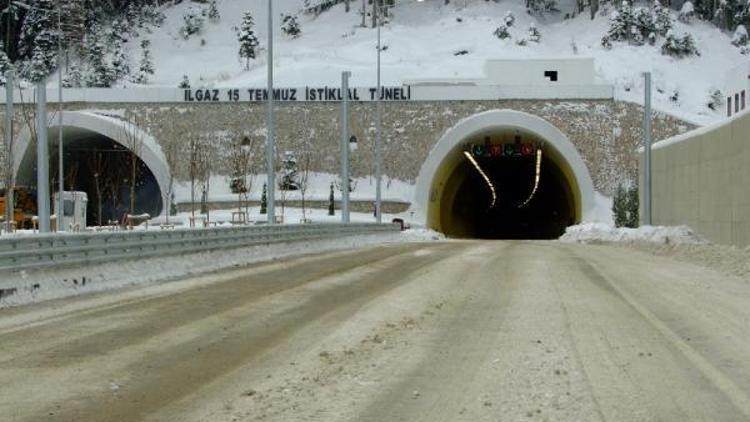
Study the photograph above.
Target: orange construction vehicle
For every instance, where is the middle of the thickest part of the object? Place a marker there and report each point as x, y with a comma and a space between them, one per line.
24, 206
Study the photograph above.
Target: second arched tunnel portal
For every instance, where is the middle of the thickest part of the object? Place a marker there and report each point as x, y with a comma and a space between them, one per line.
504, 175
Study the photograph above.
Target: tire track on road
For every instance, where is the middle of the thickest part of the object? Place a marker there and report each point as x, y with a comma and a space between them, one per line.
159, 377
598, 277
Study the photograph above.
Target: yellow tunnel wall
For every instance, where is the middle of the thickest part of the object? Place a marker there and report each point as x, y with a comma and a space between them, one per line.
448, 179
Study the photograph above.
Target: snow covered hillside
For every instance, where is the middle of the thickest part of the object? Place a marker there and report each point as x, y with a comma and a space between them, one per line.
422, 39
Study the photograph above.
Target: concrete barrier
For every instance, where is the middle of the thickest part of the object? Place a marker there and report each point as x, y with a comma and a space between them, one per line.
702, 179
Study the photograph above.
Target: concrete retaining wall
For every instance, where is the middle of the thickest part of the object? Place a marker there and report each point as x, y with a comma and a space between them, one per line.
702, 179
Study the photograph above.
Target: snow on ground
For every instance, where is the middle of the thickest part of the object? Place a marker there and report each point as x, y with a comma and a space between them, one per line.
41, 285
599, 232
422, 39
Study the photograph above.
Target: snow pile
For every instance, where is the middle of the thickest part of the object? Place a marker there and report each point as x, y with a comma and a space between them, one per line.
421, 234
41, 285
598, 232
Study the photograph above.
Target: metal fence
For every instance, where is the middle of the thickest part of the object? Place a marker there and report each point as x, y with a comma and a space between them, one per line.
51, 250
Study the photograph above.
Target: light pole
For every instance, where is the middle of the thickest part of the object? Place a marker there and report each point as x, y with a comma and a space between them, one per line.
9, 188
647, 150
271, 176
345, 146
42, 158
60, 205
378, 143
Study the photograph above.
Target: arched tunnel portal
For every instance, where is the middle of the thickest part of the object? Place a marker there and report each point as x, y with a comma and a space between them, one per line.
504, 174
97, 152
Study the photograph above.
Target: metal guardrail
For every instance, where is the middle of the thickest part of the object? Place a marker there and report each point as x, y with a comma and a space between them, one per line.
51, 250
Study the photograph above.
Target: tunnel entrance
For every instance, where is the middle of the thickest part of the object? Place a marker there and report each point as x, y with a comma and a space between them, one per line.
503, 174
102, 168
99, 152
527, 203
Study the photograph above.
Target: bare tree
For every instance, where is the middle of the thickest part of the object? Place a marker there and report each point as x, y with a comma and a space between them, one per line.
304, 177
305, 160
171, 151
239, 161
193, 170
96, 165
207, 159
115, 177
133, 137
199, 165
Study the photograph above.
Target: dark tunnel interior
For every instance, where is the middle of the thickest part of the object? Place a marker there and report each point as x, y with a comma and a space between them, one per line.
516, 213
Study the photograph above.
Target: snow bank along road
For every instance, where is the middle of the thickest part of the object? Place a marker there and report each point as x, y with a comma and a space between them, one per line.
444, 331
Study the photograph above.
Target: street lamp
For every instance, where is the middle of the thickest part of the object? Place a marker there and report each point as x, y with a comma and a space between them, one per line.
271, 176
378, 142
60, 205
246, 147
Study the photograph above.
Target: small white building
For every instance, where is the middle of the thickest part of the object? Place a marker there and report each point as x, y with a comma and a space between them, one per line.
737, 88
560, 78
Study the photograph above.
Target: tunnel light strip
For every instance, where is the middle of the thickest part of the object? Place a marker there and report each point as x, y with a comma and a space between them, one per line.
484, 175
536, 178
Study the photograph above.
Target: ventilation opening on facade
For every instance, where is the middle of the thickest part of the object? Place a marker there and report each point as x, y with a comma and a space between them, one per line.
550, 75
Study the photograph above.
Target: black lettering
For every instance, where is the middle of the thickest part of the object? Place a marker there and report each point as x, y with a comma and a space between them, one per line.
408, 92
216, 95
188, 95
330, 94
397, 94
372, 93
321, 92
293, 96
199, 95
388, 93
356, 94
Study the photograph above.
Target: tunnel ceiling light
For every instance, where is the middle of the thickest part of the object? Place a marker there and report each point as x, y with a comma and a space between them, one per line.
484, 176
536, 178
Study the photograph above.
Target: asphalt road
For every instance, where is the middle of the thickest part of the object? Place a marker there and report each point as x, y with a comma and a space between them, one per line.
443, 331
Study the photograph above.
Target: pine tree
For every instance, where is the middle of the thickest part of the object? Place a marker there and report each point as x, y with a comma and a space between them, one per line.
264, 201
117, 32
631, 205
715, 100
686, 12
740, 36
502, 32
74, 78
146, 68
213, 12
4, 66
290, 26
37, 68
620, 22
185, 83
192, 22
662, 20
679, 46
39, 32
643, 26
120, 63
540, 7
619, 207
289, 172
172, 206
248, 40
534, 34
